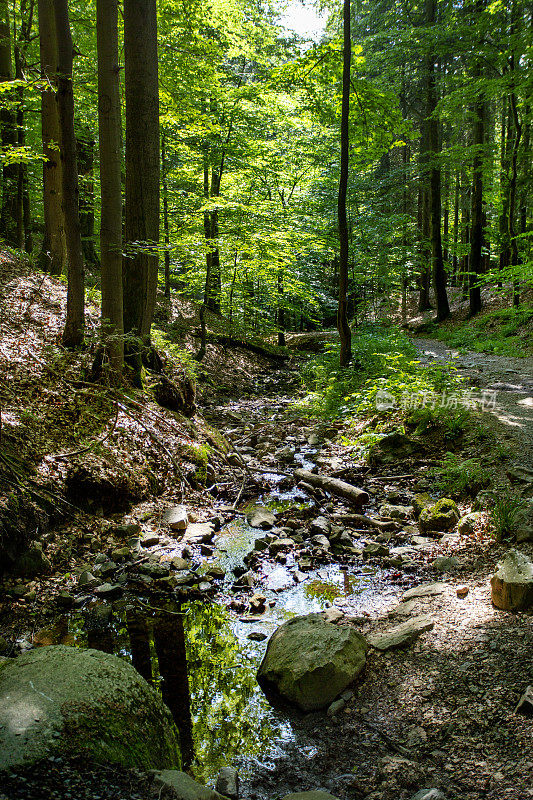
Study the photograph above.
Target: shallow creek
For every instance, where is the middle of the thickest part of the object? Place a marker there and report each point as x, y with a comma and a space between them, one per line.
201, 658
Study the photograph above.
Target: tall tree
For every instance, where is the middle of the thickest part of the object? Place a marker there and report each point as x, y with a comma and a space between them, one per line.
433, 141
342, 312
475, 265
9, 214
110, 139
142, 166
54, 247
75, 322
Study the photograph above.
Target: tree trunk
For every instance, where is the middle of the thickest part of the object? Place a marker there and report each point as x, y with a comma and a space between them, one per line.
342, 317
281, 310
11, 210
110, 141
54, 247
142, 166
517, 125
86, 145
475, 266
438, 273
74, 326
165, 215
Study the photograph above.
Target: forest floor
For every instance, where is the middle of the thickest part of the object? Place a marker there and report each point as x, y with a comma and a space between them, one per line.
440, 713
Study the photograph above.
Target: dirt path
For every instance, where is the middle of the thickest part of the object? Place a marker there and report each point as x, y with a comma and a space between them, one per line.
511, 379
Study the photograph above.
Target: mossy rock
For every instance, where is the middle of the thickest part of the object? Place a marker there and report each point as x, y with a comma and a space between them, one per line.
442, 516
62, 700
393, 447
309, 661
420, 502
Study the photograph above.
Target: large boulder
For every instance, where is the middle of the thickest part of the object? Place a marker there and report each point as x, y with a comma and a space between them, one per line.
68, 701
309, 661
393, 447
512, 583
442, 516
171, 784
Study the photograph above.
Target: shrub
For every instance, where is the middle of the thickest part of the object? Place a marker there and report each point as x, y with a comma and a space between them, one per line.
457, 477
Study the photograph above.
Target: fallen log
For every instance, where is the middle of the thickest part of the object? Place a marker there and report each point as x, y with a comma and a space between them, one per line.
334, 486
360, 519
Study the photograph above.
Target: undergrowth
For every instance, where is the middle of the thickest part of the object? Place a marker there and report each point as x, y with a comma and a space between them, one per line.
505, 332
458, 477
384, 377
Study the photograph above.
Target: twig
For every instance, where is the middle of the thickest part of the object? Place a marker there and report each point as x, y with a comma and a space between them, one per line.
93, 444
157, 441
398, 748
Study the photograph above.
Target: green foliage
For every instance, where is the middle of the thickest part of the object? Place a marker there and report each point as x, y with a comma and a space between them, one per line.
458, 477
452, 423
506, 509
505, 332
384, 371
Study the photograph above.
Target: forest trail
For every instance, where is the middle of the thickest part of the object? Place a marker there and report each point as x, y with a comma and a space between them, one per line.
508, 384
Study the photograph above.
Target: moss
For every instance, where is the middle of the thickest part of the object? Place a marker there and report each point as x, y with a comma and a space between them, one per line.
442, 516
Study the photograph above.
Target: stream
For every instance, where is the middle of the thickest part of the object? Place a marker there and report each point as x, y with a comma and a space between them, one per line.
203, 655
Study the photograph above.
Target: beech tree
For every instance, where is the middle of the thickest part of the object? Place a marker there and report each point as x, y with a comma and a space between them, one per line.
342, 316
54, 248
75, 322
142, 166
110, 138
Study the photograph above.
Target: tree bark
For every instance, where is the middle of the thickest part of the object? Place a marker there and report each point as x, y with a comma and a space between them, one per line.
475, 266
110, 145
433, 140
342, 316
140, 267
85, 148
74, 325
165, 214
11, 210
54, 248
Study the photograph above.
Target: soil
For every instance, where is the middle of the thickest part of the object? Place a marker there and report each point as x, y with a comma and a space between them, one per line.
440, 713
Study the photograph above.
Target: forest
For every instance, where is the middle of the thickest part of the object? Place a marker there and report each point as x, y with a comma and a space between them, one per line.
266, 399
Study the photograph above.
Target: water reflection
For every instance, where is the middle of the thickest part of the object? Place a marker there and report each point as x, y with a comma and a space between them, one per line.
206, 677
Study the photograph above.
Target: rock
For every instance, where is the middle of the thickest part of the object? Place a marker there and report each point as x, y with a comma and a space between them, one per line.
87, 579
310, 661
429, 794
402, 635
393, 447
228, 782
261, 518
257, 636
175, 518
280, 545
335, 707
108, 590
462, 591
179, 563
420, 502
525, 704
401, 771
107, 568
395, 512
285, 454
442, 516
247, 579
128, 529
512, 583
311, 795
524, 533
149, 540
320, 526
87, 703
375, 550
171, 784
199, 532
320, 541
404, 609
32, 562
424, 590
257, 603
64, 599
467, 524
260, 545
446, 563
313, 439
